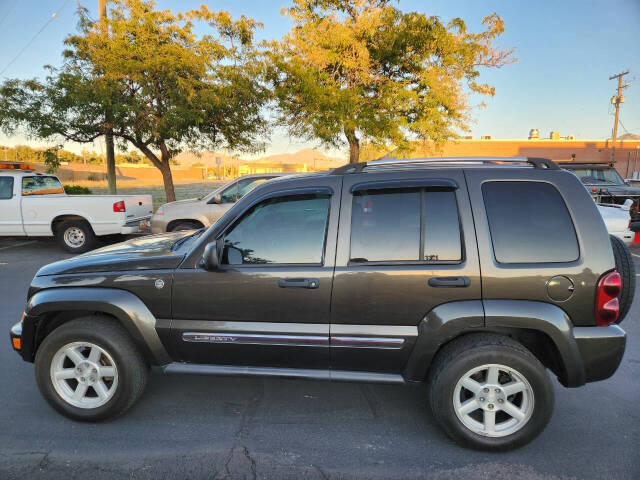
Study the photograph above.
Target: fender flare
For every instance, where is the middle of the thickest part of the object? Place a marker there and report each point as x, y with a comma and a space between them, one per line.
450, 320
132, 313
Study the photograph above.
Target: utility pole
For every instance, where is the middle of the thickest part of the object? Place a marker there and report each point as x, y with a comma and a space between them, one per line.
617, 100
108, 134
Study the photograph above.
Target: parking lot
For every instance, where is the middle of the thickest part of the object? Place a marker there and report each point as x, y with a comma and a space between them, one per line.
222, 427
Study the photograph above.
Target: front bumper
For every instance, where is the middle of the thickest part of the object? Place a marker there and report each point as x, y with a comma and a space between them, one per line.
15, 333
139, 225
158, 225
601, 349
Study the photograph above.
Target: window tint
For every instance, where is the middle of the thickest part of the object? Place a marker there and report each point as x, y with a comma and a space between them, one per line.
529, 223
287, 229
240, 188
41, 185
6, 188
385, 225
442, 227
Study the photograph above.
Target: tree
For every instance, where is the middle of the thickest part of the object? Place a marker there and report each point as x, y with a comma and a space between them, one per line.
363, 70
166, 87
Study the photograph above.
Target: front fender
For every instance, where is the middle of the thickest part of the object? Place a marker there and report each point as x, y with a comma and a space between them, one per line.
132, 313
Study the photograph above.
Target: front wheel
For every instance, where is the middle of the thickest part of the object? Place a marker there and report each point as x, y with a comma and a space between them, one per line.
89, 369
489, 392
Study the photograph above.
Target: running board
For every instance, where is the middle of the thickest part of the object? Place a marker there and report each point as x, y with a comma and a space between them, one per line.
303, 373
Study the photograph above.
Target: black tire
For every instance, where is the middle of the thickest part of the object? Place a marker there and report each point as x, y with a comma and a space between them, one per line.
89, 238
185, 225
108, 334
627, 270
471, 351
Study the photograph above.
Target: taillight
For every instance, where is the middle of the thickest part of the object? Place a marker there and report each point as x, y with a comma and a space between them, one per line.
119, 207
607, 306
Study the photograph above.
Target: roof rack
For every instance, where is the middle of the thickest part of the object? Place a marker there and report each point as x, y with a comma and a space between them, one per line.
359, 167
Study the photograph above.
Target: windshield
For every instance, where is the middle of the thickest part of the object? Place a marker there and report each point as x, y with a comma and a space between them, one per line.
598, 176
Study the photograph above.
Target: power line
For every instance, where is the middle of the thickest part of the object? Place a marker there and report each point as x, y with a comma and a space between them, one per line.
46, 24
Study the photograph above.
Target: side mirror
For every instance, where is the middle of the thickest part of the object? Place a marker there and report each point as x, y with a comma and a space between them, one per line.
217, 198
209, 259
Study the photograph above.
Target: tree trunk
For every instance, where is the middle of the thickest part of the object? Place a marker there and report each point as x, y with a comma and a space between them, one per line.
354, 145
167, 178
161, 164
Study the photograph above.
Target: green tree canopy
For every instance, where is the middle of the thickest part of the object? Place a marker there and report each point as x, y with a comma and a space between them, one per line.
167, 88
363, 70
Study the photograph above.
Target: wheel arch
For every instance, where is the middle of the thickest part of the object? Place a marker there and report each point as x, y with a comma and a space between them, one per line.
63, 217
195, 221
543, 328
50, 308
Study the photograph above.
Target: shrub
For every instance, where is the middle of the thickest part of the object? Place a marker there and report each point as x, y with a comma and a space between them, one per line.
76, 190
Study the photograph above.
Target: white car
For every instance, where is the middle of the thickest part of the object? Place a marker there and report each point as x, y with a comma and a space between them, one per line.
618, 220
35, 205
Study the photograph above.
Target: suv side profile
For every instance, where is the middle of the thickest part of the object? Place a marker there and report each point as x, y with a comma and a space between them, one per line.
475, 275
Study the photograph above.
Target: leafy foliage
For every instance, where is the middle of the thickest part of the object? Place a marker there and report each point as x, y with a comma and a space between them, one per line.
165, 87
364, 70
76, 190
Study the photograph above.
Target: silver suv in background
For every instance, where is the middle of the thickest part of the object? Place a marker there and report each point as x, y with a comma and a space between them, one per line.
201, 212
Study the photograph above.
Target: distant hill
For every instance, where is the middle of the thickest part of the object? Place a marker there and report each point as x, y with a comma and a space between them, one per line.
313, 158
629, 136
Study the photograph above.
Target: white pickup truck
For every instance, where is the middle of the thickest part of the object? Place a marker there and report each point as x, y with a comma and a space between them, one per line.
35, 205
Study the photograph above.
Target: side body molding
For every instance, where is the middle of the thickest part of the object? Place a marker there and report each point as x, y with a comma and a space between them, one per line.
546, 318
121, 304
443, 323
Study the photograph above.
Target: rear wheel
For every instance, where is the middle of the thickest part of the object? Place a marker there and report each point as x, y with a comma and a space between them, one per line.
89, 369
75, 236
489, 392
627, 270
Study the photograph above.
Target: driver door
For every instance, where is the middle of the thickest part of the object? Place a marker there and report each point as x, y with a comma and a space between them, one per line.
268, 303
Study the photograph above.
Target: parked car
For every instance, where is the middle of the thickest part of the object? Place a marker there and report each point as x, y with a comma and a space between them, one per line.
618, 220
606, 184
201, 212
35, 205
472, 275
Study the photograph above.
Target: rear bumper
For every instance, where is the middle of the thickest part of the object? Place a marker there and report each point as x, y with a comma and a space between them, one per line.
601, 349
626, 236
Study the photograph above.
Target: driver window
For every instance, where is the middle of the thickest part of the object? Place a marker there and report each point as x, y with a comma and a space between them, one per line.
282, 230
230, 194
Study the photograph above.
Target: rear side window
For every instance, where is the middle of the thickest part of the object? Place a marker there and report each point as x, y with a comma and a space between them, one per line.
41, 185
6, 188
529, 223
409, 225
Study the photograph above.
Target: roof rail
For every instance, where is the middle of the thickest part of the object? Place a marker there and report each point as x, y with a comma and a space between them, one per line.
359, 167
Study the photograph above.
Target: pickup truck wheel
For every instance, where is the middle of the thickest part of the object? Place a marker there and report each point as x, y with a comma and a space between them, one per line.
75, 236
89, 369
489, 392
627, 270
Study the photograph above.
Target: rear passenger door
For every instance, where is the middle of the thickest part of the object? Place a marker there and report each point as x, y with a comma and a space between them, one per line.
405, 246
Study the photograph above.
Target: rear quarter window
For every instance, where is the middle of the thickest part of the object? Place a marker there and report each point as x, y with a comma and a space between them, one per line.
529, 223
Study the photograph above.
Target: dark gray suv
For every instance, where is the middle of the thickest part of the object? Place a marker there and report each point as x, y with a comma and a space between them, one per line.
475, 275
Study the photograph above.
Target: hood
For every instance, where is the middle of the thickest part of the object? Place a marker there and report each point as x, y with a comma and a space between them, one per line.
181, 203
152, 252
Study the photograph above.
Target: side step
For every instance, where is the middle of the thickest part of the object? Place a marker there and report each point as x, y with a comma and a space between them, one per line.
303, 373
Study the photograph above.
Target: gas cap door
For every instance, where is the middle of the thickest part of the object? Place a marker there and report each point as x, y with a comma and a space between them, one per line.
560, 288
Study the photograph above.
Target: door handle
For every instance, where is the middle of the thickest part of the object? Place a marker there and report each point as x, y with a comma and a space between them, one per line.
299, 283
449, 282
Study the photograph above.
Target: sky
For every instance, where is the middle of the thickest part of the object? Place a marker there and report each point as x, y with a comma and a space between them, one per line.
566, 51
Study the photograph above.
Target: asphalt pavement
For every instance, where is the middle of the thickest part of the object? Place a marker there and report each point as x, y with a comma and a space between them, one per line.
221, 427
